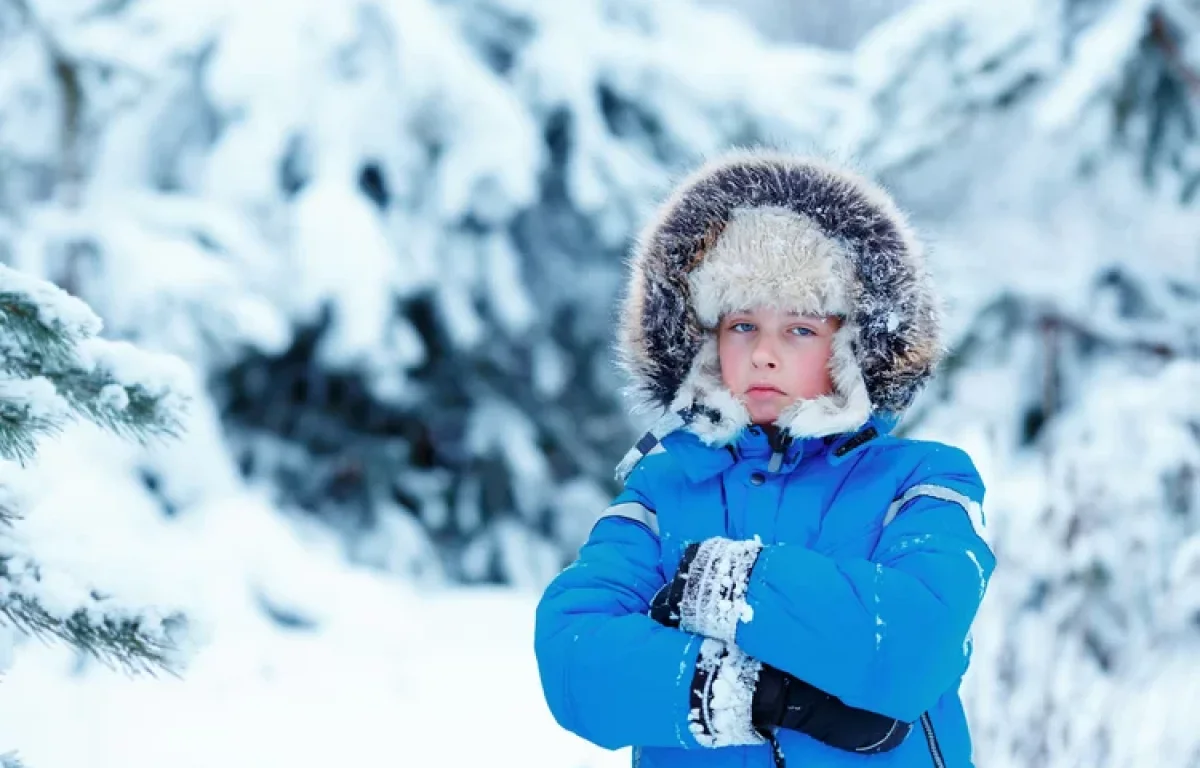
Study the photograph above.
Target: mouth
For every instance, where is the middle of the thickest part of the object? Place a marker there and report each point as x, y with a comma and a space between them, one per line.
763, 390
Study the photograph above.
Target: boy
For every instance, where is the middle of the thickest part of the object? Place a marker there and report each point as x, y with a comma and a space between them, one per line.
781, 578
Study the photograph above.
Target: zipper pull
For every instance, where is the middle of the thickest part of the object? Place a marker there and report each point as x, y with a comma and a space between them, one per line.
776, 461
779, 442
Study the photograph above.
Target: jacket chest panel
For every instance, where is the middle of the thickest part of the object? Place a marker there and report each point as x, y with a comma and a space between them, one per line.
817, 507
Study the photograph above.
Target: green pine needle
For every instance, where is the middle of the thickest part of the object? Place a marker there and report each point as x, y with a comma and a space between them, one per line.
118, 643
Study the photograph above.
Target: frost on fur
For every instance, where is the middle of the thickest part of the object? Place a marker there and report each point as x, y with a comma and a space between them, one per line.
759, 228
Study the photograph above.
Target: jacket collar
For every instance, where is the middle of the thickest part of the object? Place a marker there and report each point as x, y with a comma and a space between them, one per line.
701, 461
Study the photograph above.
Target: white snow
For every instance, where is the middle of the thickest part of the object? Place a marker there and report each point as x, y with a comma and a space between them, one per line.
55, 308
359, 286
498, 429
714, 596
1095, 65
364, 690
160, 375
384, 670
36, 397
725, 719
993, 123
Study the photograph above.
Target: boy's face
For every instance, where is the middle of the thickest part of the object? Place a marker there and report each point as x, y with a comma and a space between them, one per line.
770, 358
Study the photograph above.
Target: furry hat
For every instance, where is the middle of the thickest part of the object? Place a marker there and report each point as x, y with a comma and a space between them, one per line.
768, 229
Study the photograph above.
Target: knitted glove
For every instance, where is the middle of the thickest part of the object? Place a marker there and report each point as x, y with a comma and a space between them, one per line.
722, 695
707, 595
664, 606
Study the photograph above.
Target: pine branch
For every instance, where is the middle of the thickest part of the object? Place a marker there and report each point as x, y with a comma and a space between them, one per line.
20, 429
54, 369
1012, 312
128, 411
120, 641
59, 371
51, 336
33, 408
8, 515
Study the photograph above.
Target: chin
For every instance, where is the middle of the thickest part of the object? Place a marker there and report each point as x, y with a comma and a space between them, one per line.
764, 418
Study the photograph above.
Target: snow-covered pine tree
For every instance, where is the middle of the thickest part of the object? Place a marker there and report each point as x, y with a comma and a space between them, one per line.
412, 216
828, 25
55, 370
1052, 147
401, 239
529, 170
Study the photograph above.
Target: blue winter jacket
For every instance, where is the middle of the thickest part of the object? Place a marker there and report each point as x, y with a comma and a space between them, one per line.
871, 573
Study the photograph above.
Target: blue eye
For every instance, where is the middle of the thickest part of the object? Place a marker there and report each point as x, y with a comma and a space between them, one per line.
742, 327
802, 331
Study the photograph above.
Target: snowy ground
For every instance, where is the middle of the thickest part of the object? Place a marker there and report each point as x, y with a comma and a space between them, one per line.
446, 682
374, 670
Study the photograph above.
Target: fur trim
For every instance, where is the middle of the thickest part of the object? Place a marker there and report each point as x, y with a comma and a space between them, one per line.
721, 416
756, 228
770, 257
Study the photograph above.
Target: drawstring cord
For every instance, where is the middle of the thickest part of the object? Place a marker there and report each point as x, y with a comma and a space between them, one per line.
776, 751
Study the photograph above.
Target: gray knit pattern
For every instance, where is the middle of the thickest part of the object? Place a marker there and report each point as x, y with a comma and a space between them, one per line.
714, 595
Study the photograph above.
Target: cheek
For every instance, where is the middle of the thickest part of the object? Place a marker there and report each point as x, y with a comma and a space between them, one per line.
731, 357
810, 367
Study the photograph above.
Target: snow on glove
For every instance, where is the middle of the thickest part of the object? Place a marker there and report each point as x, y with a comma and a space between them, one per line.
722, 695
700, 597
784, 701
707, 596
737, 700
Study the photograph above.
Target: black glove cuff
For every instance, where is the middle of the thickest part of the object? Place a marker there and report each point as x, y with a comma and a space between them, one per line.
664, 607
770, 698
685, 562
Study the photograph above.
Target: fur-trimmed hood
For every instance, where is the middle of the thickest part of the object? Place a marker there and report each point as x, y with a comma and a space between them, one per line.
768, 229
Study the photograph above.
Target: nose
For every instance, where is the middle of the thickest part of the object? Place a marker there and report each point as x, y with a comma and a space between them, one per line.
764, 355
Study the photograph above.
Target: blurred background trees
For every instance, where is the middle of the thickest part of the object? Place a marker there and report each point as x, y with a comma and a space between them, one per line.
389, 236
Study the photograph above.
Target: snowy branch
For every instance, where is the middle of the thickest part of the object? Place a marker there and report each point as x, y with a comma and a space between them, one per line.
1015, 312
53, 370
1111, 337
41, 606
8, 515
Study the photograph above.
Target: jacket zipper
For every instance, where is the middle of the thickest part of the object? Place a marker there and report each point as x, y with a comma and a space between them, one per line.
935, 751
776, 462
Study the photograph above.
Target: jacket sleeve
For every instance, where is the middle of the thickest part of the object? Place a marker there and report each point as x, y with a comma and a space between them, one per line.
609, 672
887, 634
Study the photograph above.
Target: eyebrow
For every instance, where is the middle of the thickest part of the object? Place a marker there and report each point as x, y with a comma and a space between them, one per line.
790, 313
